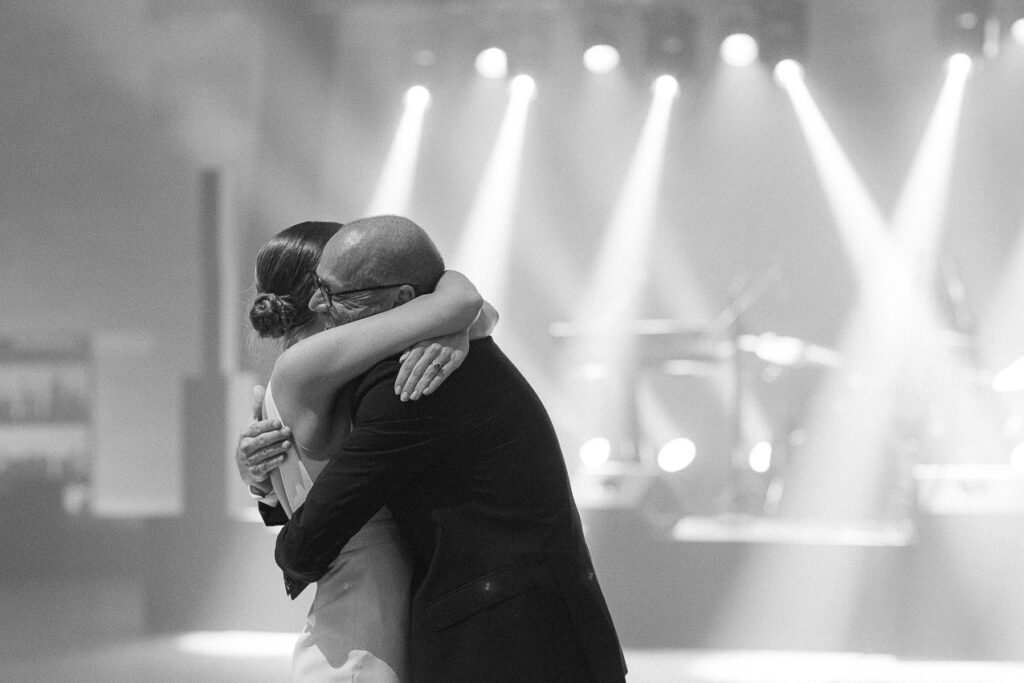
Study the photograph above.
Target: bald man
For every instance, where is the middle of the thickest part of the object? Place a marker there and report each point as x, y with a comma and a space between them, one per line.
504, 587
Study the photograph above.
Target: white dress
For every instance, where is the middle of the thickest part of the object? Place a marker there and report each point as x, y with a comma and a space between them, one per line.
357, 628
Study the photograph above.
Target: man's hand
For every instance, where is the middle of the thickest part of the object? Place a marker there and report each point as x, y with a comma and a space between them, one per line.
262, 446
427, 364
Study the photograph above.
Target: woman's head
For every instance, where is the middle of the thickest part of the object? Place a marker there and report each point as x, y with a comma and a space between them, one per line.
284, 285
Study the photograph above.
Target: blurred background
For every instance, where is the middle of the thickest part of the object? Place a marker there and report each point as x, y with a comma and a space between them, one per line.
761, 260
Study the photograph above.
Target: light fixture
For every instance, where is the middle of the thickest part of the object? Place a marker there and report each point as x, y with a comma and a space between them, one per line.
677, 454
736, 32
600, 30
1017, 30
595, 452
760, 457
417, 96
601, 58
788, 71
665, 86
739, 49
492, 62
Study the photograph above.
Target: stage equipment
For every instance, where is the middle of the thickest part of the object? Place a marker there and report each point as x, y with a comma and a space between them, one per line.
600, 33
736, 33
492, 62
738, 463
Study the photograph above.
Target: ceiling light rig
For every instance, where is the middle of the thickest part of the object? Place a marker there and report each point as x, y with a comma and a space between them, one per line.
601, 33
736, 31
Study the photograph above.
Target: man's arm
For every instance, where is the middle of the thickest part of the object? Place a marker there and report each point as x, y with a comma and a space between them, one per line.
262, 446
390, 444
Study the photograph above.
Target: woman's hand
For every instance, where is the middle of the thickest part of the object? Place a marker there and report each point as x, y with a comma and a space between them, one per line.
427, 364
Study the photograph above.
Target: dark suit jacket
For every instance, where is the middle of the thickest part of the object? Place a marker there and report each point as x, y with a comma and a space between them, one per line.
506, 590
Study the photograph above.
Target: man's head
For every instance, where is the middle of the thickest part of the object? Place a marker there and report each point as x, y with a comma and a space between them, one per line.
372, 265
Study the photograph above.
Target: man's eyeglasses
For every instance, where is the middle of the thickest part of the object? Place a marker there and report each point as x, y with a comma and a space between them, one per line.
330, 296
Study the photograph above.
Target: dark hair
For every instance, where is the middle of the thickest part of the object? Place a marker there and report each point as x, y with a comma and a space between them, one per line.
283, 282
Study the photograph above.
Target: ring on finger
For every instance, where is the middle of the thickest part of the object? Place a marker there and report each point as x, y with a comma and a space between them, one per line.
437, 364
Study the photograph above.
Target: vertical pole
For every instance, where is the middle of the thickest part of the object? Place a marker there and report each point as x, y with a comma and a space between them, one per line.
204, 466
210, 278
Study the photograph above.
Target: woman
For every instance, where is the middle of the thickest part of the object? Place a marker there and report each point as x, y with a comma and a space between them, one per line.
358, 623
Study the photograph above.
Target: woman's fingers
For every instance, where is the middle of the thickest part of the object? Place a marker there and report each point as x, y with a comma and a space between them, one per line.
429, 365
454, 361
409, 360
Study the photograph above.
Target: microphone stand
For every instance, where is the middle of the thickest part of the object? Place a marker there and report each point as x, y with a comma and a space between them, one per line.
729, 324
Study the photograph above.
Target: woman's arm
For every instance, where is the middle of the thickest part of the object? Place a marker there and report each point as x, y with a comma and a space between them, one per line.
485, 322
308, 375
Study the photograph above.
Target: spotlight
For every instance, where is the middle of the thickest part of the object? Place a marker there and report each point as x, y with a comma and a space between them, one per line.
760, 458
677, 455
601, 59
671, 41
736, 31
1017, 31
788, 71
600, 29
417, 96
782, 31
523, 86
739, 49
665, 86
595, 452
960, 63
492, 63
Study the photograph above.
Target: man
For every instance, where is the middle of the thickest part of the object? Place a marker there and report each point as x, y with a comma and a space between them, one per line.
504, 586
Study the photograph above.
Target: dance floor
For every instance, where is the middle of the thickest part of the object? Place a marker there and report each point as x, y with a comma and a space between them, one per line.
89, 631
218, 658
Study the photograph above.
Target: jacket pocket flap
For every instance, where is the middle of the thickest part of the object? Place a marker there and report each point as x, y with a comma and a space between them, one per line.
470, 598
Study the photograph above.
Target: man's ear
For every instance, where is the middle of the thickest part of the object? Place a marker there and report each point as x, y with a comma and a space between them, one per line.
405, 294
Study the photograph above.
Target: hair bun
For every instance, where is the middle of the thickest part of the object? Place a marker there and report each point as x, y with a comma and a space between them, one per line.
271, 315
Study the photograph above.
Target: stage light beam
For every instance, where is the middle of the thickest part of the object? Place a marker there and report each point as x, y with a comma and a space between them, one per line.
485, 245
394, 186
918, 217
616, 281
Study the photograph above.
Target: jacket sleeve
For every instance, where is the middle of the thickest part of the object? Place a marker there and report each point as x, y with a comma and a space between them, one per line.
273, 515
391, 442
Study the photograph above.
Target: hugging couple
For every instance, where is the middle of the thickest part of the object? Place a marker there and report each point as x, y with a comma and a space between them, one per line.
415, 472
